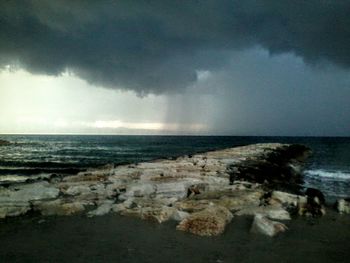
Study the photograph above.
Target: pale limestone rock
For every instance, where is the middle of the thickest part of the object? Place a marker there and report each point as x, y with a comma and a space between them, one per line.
240, 187
172, 189
157, 214
114, 189
286, 198
192, 205
133, 212
209, 222
57, 207
13, 209
117, 208
78, 190
278, 214
10, 179
93, 176
263, 225
129, 203
102, 209
99, 189
165, 201
239, 199
179, 215
28, 192
123, 172
343, 206
271, 212
139, 190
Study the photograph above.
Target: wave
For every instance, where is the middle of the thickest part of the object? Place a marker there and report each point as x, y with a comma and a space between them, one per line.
335, 175
28, 171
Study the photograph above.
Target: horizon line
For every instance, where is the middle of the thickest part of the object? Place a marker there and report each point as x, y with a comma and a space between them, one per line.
178, 135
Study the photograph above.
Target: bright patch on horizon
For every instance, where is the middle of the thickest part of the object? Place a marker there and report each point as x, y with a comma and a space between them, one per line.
116, 124
66, 104
127, 125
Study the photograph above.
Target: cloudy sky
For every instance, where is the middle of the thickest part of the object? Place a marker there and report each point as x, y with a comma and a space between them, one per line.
175, 67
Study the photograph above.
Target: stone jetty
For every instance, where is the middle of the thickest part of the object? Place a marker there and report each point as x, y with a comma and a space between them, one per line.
203, 192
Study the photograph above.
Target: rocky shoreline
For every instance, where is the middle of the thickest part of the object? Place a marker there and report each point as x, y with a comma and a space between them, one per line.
203, 192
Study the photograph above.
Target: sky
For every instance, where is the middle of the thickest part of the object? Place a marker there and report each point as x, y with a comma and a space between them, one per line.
275, 68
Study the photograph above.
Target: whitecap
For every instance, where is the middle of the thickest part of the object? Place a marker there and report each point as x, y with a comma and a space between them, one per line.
340, 175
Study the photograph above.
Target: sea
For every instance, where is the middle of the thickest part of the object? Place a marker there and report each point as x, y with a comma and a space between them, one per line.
328, 169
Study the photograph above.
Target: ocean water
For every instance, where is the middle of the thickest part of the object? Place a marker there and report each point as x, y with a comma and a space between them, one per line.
328, 169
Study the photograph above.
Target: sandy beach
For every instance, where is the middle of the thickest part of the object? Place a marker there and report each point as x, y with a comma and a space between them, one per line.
113, 238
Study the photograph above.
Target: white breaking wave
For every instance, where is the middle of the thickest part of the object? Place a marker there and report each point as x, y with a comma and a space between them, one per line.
328, 174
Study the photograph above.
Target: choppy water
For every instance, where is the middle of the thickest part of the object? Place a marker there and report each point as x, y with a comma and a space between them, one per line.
328, 169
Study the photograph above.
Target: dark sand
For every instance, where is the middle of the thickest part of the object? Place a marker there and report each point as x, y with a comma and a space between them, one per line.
113, 238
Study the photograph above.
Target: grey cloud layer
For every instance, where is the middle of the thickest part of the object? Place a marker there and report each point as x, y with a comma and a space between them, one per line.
157, 46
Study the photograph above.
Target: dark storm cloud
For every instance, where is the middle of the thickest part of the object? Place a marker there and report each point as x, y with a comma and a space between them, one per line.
157, 46
280, 95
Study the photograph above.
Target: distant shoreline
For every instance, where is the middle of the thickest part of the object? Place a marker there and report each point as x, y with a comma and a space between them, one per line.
174, 135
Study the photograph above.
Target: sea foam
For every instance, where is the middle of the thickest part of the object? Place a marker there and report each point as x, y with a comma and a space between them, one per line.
335, 175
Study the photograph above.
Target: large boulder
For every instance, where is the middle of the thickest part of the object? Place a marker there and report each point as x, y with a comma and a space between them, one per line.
179, 215
239, 199
83, 191
13, 209
28, 192
314, 205
175, 189
102, 209
263, 225
191, 205
286, 199
78, 190
315, 195
58, 207
233, 200
118, 208
138, 190
158, 214
209, 222
277, 213
13, 179
343, 206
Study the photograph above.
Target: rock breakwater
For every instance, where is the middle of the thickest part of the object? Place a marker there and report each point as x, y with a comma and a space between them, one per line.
202, 191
